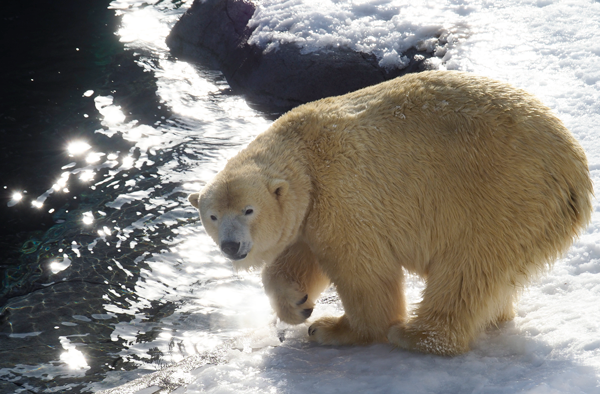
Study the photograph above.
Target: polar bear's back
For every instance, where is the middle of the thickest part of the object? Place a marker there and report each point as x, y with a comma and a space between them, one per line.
447, 163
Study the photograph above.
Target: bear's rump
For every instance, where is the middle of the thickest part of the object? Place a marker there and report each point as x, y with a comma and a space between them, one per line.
509, 183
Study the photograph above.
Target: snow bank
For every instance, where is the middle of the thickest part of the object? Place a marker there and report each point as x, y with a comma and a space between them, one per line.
385, 28
284, 53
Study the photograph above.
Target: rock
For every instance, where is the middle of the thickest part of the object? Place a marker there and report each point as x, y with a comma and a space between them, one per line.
215, 33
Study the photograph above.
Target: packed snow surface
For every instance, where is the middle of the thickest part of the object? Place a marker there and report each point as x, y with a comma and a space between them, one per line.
548, 47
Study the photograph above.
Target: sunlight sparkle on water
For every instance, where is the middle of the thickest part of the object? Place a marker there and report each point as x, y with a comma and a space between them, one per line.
128, 161
78, 147
87, 175
105, 231
94, 157
143, 26
57, 266
112, 114
15, 199
192, 186
72, 357
61, 183
87, 218
183, 87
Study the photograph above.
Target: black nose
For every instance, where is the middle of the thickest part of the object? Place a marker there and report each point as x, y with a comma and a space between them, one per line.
230, 248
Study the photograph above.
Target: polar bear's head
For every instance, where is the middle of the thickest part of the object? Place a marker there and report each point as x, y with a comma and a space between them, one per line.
245, 214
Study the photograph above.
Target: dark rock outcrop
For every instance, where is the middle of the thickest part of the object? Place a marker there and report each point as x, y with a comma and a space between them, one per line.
215, 32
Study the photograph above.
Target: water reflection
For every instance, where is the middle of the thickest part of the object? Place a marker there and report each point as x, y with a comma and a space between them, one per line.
126, 279
142, 28
57, 266
112, 115
72, 357
87, 175
15, 198
87, 218
77, 148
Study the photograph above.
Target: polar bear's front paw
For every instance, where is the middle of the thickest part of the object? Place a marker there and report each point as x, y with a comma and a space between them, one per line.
291, 305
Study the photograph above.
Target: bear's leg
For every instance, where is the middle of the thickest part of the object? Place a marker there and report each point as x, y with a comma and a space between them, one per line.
371, 305
293, 283
507, 311
456, 305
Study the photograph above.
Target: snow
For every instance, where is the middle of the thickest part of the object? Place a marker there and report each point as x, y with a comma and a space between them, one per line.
548, 47
382, 27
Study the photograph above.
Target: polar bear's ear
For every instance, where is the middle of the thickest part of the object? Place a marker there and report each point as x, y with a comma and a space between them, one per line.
279, 187
194, 198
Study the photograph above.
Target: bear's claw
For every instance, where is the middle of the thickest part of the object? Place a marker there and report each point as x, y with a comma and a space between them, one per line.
302, 301
292, 304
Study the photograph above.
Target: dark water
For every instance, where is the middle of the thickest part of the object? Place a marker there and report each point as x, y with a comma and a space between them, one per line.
54, 52
91, 279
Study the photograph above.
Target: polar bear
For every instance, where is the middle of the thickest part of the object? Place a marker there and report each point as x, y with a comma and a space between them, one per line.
468, 182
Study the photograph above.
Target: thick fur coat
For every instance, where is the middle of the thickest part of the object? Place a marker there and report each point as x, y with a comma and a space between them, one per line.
468, 182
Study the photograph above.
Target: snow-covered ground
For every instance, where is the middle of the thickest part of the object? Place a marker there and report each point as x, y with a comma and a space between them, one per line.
384, 28
548, 47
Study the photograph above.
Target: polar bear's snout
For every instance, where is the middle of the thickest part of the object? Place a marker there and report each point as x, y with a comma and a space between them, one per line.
231, 249
235, 250
234, 238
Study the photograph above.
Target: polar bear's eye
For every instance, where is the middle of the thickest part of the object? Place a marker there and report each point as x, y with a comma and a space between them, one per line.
249, 211
213, 217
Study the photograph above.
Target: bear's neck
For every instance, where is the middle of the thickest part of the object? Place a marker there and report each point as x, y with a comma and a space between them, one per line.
280, 153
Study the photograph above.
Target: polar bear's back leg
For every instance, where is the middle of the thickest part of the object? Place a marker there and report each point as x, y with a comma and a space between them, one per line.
459, 301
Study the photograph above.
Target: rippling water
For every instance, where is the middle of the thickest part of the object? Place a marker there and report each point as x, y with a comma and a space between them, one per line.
123, 280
